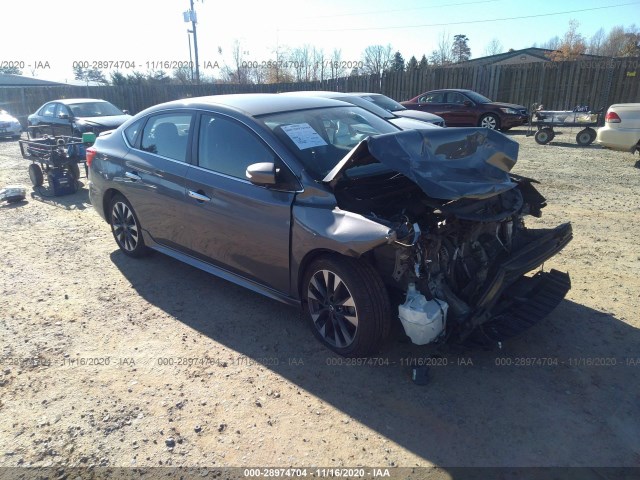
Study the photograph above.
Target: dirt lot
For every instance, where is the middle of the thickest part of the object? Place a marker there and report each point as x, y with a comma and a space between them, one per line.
109, 361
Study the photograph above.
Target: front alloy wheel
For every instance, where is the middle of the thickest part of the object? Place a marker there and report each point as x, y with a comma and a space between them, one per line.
346, 304
490, 121
332, 309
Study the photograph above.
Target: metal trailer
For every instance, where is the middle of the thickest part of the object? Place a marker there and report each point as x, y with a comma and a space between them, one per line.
56, 157
546, 120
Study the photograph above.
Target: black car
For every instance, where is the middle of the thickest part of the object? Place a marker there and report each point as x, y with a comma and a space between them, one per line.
324, 205
75, 116
466, 108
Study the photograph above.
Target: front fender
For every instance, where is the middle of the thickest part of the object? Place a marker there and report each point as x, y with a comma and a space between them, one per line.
332, 230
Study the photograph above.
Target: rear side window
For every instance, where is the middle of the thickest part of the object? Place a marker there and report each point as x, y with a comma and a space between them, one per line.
131, 132
436, 97
167, 135
48, 110
228, 147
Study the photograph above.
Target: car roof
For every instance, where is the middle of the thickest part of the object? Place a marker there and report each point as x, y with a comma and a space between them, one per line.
254, 104
450, 90
318, 93
68, 101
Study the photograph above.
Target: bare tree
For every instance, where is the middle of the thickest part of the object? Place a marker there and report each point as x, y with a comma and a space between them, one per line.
442, 54
238, 72
301, 60
318, 64
596, 42
494, 47
621, 42
377, 59
551, 44
337, 69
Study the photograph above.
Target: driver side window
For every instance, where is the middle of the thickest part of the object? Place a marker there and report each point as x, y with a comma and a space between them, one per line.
228, 147
61, 110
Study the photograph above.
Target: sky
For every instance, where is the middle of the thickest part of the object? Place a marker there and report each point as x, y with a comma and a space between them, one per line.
46, 37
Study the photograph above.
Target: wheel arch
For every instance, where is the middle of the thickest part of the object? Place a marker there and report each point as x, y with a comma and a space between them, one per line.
106, 201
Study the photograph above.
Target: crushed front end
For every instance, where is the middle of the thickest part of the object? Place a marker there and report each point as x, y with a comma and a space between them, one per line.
460, 236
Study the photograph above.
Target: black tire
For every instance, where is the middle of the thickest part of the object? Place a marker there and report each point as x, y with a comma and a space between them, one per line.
125, 227
544, 136
35, 174
331, 307
584, 137
75, 170
489, 120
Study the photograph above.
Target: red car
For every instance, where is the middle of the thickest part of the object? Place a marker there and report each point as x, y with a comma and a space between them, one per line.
466, 108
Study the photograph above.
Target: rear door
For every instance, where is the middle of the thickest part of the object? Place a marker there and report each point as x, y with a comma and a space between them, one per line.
154, 176
45, 119
434, 102
233, 223
458, 112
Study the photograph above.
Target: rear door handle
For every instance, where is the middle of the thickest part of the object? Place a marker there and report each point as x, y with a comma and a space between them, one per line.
132, 175
201, 197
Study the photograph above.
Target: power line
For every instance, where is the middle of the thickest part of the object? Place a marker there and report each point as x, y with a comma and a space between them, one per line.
359, 14
455, 23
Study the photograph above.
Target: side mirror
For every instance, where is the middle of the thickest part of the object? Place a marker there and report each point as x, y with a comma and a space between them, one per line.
63, 116
262, 173
126, 112
467, 103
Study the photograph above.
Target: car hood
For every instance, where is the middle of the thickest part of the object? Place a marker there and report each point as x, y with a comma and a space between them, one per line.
7, 117
418, 115
108, 122
448, 163
506, 105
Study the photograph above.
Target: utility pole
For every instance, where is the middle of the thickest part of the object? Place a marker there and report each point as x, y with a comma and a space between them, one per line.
189, 32
191, 16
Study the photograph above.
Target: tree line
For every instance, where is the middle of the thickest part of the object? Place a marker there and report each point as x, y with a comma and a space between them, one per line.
309, 63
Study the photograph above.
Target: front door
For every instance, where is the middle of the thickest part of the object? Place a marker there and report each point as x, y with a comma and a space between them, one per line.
233, 223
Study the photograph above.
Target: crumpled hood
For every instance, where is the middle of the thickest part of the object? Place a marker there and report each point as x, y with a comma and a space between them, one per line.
447, 164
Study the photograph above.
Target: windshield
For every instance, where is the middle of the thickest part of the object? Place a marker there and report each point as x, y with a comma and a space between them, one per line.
477, 98
94, 109
321, 137
385, 102
367, 105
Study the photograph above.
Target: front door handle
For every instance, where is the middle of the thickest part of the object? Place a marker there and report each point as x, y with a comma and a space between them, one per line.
132, 175
199, 196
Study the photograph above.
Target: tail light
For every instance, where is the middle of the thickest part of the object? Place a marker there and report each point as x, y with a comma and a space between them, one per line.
90, 155
612, 117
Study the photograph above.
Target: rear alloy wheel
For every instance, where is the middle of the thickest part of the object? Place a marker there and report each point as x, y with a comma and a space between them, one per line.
347, 305
126, 227
585, 137
544, 136
490, 121
35, 174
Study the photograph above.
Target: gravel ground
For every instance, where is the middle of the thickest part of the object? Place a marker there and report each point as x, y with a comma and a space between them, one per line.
109, 361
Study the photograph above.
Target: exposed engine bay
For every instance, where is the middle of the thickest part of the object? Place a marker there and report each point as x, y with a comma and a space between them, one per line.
470, 253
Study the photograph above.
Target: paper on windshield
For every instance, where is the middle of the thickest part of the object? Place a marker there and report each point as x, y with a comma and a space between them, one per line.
303, 135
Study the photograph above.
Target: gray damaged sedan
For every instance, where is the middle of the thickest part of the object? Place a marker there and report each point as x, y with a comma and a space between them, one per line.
325, 206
